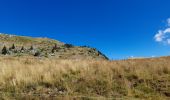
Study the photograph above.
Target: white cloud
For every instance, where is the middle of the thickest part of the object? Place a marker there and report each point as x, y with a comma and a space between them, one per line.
159, 36
163, 35
167, 30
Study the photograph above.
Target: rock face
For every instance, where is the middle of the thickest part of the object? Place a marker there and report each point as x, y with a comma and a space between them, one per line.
43, 47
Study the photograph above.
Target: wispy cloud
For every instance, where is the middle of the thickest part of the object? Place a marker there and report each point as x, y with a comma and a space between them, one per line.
163, 36
168, 20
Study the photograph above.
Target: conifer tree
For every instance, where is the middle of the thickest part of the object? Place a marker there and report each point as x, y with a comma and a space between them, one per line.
4, 50
22, 48
31, 48
13, 46
53, 50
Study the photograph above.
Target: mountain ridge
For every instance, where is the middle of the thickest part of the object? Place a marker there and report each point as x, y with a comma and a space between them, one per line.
14, 45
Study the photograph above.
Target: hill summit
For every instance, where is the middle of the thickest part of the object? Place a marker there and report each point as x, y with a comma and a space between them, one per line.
13, 45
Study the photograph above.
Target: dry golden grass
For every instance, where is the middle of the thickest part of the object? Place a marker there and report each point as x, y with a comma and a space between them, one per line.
27, 78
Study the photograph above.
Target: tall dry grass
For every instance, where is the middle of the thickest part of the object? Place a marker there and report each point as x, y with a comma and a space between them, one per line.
28, 77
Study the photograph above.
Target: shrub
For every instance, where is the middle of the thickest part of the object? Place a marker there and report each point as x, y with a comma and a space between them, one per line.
31, 48
13, 46
55, 48
22, 48
68, 45
85, 46
46, 55
37, 53
4, 50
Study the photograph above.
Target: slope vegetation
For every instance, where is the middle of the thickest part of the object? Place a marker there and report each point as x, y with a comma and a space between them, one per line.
43, 47
46, 78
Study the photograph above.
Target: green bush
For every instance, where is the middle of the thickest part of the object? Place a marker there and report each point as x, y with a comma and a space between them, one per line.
4, 50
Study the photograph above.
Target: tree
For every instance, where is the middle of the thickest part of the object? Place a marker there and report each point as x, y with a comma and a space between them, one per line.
13, 46
22, 48
31, 48
54, 48
4, 50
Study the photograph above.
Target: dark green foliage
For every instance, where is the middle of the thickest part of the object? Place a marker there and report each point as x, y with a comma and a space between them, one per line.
4, 50
55, 48
13, 46
31, 48
85, 46
37, 53
68, 45
100, 53
46, 55
22, 48
15, 51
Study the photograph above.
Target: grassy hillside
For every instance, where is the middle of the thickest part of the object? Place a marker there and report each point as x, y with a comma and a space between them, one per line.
45, 78
45, 47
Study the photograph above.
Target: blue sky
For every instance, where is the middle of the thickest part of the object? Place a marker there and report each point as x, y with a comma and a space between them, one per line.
118, 28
